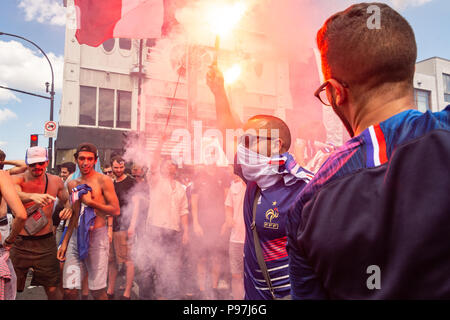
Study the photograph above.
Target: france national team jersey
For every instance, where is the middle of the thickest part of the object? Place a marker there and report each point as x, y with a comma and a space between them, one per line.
380, 202
271, 214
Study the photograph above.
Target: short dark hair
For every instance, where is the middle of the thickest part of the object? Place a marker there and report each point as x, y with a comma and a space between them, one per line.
2, 155
70, 166
376, 56
117, 158
270, 122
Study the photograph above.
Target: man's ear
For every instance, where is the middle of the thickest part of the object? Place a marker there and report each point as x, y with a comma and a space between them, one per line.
278, 145
338, 92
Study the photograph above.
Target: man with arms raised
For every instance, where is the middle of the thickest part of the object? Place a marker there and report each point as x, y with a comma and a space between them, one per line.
35, 246
100, 200
273, 181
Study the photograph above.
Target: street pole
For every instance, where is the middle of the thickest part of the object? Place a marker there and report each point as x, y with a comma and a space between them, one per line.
52, 93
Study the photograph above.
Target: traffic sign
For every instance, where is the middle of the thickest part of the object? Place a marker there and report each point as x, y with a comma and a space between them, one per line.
50, 129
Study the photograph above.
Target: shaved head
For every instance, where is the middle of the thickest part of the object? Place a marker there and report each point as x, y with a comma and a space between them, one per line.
270, 124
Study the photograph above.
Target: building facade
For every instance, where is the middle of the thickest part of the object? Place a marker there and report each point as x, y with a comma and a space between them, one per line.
101, 101
432, 84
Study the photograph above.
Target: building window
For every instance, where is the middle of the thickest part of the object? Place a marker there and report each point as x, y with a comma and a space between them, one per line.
446, 87
123, 109
102, 110
125, 44
106, 107
108, 45
422, 99
88, 102
150, 42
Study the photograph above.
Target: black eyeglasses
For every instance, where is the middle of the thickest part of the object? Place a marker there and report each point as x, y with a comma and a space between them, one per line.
37, 163
321, 92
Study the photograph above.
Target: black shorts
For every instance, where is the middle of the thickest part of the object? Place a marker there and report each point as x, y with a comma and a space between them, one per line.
39, 253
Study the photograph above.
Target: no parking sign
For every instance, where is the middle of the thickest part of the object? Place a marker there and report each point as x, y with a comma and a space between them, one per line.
50, 129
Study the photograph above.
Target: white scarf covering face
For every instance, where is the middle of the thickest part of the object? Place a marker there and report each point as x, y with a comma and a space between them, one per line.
266, 171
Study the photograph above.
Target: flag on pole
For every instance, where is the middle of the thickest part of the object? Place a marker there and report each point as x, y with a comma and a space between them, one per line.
99, 20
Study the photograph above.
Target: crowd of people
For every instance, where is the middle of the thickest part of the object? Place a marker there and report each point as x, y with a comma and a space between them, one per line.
158, 220
367, 220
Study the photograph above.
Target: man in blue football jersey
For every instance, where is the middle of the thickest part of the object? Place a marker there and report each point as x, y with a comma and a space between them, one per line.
263, 162
374, 221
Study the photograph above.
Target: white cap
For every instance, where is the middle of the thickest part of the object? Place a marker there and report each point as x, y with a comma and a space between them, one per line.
36, 154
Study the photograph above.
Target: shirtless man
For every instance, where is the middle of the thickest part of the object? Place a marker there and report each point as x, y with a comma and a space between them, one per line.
9, 195
103, 200
19, 167
38, 189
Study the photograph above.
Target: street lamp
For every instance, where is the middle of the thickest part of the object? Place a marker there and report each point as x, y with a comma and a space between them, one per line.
52, 92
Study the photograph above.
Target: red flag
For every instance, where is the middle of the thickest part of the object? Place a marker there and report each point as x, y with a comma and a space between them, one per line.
99, 20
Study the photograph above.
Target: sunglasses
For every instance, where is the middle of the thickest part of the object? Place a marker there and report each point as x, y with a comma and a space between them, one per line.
107, 171
36, 163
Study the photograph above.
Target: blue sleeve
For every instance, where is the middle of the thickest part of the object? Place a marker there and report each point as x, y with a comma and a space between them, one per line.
305, 285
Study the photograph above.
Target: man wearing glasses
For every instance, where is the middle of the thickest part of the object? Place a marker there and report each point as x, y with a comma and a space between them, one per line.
36, 247
374, 222
273, 181
107, 169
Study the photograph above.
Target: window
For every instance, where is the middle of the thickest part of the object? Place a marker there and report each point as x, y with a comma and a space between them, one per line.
446, 87
150, 42
106, 107
88, 96
110, 103
123, 109
108, 45
422, 99
125, 44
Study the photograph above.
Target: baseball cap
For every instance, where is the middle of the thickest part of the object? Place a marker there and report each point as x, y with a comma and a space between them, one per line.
88, 147
36, 154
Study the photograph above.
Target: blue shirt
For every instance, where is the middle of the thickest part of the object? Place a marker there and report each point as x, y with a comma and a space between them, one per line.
271, 214
379, 200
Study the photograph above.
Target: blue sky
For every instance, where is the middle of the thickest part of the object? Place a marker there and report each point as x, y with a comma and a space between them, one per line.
40, 21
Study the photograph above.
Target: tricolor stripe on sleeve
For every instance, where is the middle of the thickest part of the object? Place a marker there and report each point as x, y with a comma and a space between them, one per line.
375, 146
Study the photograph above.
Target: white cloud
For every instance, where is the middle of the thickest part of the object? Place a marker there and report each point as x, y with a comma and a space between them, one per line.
402, 4
396, 4
3, 143
44, 11
27, 69
6, 115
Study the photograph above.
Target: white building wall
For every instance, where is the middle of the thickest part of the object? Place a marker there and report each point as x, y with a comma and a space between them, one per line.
428, 83
430, 73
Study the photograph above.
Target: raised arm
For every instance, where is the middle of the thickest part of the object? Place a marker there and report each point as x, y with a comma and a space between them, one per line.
156, 159
19, 166
225, 118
